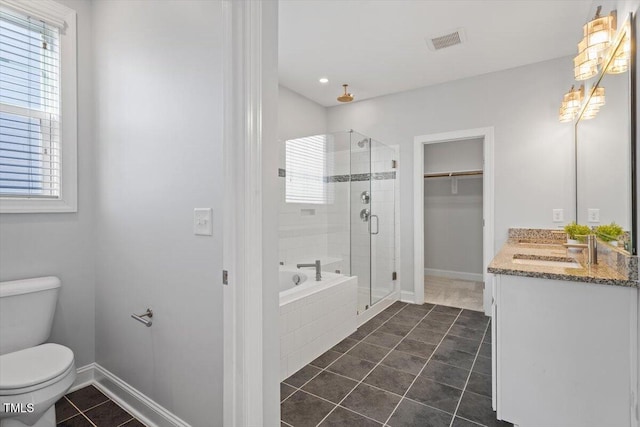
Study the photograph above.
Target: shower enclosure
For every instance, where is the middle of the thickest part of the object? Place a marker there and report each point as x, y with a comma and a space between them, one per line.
338, 194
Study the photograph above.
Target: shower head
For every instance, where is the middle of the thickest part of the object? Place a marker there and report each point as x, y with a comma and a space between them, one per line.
345, 97
363, 142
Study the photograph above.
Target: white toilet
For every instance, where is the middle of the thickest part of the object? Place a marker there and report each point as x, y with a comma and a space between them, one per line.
33, 375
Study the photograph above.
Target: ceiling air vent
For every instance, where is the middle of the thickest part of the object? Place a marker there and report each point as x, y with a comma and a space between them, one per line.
447, 40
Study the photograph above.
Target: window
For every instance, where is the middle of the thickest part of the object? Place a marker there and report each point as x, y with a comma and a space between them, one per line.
37, 135
306, 162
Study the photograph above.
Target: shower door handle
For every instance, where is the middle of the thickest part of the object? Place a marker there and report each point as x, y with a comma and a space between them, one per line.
371, 224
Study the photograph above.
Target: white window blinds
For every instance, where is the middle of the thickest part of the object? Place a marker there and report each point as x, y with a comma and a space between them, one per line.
306, 162
29, 107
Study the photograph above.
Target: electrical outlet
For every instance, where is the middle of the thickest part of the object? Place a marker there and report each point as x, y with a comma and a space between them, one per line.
203, 222
558, 215
593, 215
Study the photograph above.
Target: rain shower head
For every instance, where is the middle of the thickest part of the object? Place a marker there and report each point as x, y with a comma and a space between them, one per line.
363, 142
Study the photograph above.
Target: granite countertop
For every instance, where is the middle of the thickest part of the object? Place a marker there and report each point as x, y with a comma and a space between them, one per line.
601, 273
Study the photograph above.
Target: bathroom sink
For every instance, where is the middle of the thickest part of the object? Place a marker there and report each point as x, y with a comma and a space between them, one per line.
562, 262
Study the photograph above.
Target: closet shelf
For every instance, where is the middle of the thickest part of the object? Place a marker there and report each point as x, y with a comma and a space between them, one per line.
452, 174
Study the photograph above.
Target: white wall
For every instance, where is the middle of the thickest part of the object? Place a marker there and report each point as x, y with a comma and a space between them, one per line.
453, 222
61, 244
159, 92
299, 116
533, 151
303, 229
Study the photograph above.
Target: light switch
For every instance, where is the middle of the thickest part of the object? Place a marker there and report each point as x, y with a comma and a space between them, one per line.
203, 221
593, 215
558, 215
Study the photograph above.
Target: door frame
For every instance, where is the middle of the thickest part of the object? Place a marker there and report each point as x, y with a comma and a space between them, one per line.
250, 292
488, 243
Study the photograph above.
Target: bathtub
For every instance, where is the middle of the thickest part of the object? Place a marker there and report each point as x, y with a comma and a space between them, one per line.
314, 315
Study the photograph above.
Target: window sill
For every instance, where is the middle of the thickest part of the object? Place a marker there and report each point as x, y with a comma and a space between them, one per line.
28, 205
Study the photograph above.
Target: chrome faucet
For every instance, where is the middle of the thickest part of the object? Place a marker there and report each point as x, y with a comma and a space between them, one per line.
316, 265
591, 246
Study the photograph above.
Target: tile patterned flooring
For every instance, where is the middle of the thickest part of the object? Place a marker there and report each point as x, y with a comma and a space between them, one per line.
453, 292
89, 407
411, 365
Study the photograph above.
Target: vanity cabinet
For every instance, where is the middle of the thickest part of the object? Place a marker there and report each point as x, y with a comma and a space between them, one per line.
565, 353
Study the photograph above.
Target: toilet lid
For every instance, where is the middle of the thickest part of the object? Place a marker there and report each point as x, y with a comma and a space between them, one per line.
34, 365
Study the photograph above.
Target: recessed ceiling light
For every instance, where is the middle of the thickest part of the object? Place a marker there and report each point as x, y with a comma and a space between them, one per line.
323, 80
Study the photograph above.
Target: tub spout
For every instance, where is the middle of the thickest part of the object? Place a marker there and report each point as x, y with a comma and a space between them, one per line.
316, 265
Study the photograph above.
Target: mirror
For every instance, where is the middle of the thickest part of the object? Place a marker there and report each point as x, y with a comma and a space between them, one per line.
605, 146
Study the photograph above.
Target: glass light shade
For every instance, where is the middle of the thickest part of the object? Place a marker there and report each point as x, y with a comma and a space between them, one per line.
572, 100
566, 116
597, 98
583, 67
598, 34
620, 62
589, 113
588, 54
618, 65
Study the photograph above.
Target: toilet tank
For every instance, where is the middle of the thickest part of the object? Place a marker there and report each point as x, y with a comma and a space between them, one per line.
26, 312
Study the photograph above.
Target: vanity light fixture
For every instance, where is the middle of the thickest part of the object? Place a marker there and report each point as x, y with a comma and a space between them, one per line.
583, 67
620, 62
598, 34
566, 116
589, 113
596, 101
597, 98
345, 97
571, 102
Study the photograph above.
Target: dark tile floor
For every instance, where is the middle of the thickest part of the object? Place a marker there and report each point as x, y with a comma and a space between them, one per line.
89, 407
411, 365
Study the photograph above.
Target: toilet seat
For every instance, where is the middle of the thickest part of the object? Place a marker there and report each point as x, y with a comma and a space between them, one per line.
34, 368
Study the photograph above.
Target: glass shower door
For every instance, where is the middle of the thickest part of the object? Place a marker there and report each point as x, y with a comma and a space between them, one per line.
360, 200
382, 219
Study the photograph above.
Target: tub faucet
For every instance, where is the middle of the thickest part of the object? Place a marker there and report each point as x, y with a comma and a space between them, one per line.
591, 246
316, 265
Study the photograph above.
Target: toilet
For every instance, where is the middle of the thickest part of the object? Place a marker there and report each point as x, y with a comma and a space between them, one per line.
34, 375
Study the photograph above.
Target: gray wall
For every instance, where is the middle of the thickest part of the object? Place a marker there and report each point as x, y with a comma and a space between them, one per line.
533, 151
453, 222
61, 244
159, 131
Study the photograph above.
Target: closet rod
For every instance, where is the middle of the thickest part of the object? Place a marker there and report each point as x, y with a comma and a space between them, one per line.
450, 174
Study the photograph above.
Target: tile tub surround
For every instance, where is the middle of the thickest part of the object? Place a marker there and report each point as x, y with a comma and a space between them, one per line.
312, 323
89, 407
524, 243
411, 365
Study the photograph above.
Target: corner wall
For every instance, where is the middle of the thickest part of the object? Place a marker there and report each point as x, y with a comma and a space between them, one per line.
159, 124
61, 244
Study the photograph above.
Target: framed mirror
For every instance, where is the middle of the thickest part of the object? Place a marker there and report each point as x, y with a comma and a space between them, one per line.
605, 146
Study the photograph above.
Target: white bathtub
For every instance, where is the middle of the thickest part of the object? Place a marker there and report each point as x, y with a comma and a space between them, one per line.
314, 315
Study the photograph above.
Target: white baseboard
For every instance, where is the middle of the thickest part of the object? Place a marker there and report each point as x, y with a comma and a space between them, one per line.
84, 377
138, 404
460, 275
410, 297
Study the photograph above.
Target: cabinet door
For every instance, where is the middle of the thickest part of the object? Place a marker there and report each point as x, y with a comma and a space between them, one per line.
565, 353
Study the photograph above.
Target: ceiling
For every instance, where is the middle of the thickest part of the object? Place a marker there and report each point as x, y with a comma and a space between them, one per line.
379, 47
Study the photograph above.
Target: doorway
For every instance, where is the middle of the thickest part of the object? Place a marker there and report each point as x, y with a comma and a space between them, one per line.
452, 200
459, 164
